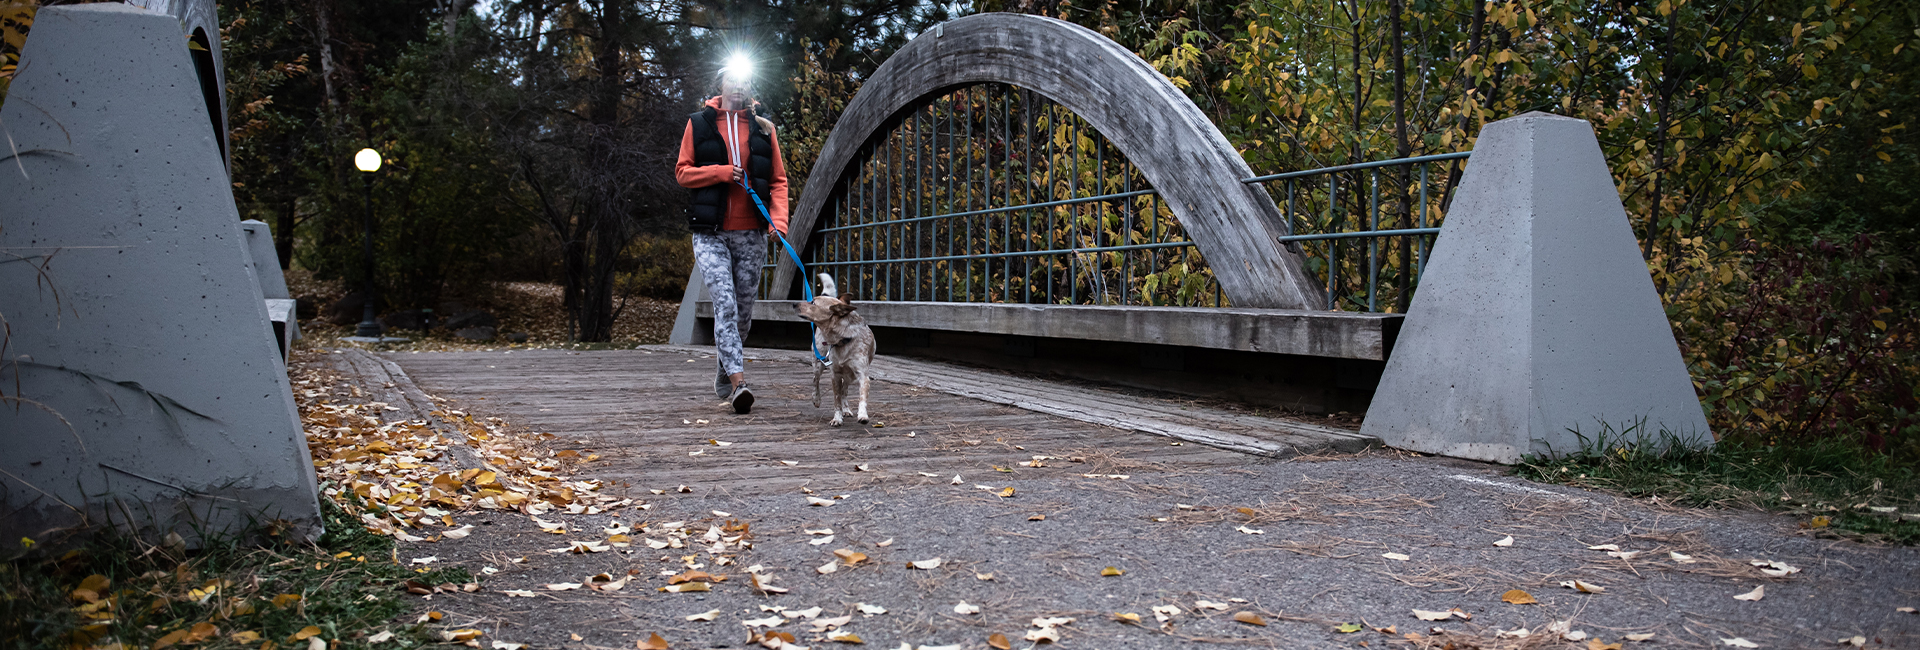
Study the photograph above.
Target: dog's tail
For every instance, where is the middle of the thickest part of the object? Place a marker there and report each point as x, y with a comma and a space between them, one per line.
827, 287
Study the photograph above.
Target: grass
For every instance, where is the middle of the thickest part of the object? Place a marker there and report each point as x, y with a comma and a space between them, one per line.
1835, 486
120, 592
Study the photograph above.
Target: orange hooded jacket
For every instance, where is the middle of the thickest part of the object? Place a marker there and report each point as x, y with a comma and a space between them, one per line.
741, 214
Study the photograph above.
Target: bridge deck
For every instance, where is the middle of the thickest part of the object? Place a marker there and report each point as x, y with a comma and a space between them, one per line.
649, 412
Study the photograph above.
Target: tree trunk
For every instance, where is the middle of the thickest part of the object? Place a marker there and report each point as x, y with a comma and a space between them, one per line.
1404, 149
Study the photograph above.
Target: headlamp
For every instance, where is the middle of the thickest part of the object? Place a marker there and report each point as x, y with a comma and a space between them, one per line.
738, 66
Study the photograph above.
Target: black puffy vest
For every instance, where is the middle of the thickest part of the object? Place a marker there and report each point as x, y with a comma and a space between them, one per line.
709, 206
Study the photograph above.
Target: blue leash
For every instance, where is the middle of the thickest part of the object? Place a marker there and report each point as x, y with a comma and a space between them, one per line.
806, 283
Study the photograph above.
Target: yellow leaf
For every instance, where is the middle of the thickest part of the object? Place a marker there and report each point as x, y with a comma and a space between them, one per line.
1110, 572
465, 634
1597, 644
284, 601
201, 632
999, 641
844, 636
653, 642
171, 639
1250, 618
1518, 597
306, 632
850, 557
1127, 617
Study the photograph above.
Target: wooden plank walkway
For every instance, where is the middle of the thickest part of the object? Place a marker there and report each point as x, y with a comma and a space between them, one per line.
651, 416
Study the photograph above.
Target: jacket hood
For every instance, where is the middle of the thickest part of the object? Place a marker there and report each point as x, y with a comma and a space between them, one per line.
714, 103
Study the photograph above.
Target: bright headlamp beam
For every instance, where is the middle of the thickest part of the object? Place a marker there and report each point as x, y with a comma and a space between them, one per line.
739, 66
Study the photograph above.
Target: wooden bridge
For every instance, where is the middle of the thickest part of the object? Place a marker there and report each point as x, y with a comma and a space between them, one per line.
648, 414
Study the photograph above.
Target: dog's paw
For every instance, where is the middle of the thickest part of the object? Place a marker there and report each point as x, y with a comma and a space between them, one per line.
835, 421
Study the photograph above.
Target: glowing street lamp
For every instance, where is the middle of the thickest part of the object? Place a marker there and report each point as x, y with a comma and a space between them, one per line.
368, 160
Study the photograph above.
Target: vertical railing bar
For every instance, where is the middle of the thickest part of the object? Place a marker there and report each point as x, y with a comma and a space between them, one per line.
1099, 211
1073, 211
1052, 126
947, 224
1026, 234
1126, 234
1373, 246
919, 202
967, 237
1007, 169
1333, 245
1420, 263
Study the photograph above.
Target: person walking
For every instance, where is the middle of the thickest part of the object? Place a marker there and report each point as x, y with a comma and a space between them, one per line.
727, 142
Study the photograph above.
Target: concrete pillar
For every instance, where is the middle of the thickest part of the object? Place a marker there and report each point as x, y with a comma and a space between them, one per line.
1536, 318
150, 392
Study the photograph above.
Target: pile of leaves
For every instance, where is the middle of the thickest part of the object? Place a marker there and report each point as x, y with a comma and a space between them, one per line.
123, 592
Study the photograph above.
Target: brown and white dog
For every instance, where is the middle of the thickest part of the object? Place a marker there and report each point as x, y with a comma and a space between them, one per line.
845, 340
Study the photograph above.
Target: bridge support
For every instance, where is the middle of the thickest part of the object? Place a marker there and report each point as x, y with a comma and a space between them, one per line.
144, 387
1537, 326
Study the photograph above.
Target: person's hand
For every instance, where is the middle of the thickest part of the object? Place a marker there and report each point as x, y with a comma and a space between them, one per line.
738, 174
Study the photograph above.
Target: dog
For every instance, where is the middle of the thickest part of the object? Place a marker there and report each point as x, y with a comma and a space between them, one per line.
845, 340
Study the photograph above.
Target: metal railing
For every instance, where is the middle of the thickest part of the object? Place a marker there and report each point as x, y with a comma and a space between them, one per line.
1326, 212
996, 194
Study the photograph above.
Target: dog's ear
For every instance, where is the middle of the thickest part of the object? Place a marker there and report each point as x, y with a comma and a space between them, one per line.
845, 299
845, 307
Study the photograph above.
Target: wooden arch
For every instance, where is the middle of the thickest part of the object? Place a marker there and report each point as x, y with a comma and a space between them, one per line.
1197, 172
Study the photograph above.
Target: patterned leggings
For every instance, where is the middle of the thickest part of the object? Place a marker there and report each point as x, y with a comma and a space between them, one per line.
729, 262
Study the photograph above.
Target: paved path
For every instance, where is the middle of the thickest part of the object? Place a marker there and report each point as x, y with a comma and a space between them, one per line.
1308, 543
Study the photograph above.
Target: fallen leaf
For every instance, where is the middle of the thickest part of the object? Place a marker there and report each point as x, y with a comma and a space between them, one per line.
1604, 547
1855, 641
770, 621
1504, 541
790, 463
1518, 597
687, 587
844, 636
1644, 636
1005, 493
250, 636
1758, 593
925, 564
870, 610
830, 567
764, 584
830, 623
1682, 558
886, 543
1583, 587
1251, 531
1110, 572
1208, 604
426, 560
1127, 617
956, 480
653, 642
820, 541
983, 577
1597, 644
1624, 555
1250, 618
458, 533
1906, 610
503, 645
456, 636
1164, 613
1738, 642
1043, 635
563, 586
1774, 568
817, 501
1347, 628
818, 531
690, 576
705, 616
517, 593
999, 641
964, 608
849, 556
1396, 556
1426, 615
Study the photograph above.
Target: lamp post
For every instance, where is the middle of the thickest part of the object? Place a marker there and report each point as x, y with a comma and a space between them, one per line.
368, 161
